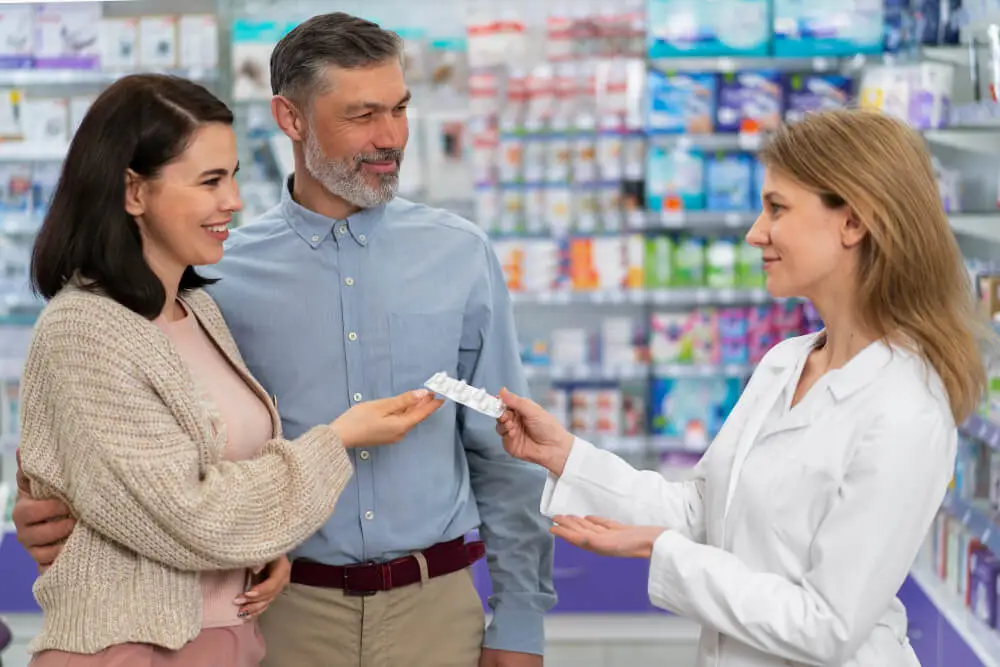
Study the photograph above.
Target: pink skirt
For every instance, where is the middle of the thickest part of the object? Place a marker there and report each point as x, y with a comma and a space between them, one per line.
237, 646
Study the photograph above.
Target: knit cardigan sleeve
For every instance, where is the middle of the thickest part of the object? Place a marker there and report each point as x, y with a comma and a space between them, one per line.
103, 426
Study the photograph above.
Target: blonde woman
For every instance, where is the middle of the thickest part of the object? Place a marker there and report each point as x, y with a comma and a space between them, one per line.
139, 413
803, 518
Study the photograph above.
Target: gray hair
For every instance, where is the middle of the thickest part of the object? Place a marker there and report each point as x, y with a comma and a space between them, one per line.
300, 58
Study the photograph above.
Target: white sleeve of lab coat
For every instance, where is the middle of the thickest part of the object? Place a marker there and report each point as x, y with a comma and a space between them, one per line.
860, 556
598, 483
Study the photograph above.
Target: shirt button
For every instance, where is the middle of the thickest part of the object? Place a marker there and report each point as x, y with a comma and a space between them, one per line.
348, 281
369, 515
365, 455
357, 398
315, 238
362, 238
352, 336
342, 229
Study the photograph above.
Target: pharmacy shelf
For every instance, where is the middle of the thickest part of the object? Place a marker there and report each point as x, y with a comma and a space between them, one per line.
679, 297
31, 151
709, 142
978, 225
54, 77
701, 371
979, 520
734, 64
586, 372
982, 640
983, 430
697, 221
626, 372
973, 138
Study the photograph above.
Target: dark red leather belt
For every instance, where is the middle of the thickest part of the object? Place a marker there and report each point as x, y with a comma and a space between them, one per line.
370, 578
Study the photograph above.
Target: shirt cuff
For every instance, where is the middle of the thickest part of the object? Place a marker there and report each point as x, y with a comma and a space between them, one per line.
663, 586
517, 630
558, 495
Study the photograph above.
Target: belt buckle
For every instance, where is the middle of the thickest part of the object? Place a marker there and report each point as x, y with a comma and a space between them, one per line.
349, 590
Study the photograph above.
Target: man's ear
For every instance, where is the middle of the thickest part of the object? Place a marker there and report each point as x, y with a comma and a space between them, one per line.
853, 231
288, 117
135, 194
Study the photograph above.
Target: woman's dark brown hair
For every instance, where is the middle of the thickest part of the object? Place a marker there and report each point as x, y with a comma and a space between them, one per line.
141, 122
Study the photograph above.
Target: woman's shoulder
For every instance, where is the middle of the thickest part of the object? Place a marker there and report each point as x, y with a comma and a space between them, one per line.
81, 320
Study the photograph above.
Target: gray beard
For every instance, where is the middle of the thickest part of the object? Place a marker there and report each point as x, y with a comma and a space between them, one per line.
344, 179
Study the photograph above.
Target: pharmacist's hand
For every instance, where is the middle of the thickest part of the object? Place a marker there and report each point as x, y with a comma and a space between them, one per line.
606, 537
532, 434
386, 420
42, 525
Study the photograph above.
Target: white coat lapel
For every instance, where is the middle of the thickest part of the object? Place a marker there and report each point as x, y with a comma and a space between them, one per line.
761, 409
781, 364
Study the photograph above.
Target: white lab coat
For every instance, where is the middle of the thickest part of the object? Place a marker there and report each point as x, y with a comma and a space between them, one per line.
798, 527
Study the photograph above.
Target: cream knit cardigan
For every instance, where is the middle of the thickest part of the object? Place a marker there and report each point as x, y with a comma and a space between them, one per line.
113, 423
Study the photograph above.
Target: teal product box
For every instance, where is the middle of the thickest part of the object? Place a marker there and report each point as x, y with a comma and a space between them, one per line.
729, 181
675, 179
692, 409
681, 103
678, 28
808, 28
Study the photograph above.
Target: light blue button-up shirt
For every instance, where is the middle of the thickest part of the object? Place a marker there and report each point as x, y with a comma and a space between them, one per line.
328, 313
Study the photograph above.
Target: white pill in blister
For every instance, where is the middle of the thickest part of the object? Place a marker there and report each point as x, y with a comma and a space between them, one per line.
459, 391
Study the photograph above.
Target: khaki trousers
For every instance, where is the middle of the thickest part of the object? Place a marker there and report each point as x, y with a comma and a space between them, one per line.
436, 623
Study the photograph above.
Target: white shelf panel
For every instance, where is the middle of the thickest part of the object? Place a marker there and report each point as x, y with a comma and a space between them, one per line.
661, 297
983, 641
979, 138
709, 142
586, 372
702, 371
56, 77
735, 64
29, 151
979, 225
733, 221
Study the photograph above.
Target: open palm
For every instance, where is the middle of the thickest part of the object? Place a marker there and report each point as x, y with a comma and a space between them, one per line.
606, 537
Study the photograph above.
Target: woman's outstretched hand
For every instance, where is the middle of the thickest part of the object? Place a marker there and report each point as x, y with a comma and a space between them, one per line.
606, 537
532, 434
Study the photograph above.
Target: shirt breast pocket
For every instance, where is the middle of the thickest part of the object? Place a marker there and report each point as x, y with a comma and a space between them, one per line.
423, 344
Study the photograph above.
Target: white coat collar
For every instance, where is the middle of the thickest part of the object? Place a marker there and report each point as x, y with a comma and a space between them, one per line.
857, 374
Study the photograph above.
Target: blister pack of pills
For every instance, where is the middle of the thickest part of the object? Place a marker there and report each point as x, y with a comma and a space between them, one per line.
461, 392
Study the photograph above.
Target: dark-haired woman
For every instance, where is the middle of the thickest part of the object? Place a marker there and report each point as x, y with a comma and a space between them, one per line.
138, 411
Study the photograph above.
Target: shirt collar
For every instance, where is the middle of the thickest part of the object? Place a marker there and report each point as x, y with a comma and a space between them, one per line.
315, 228
858, 373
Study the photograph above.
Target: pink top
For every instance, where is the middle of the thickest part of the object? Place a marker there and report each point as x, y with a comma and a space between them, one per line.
248, 427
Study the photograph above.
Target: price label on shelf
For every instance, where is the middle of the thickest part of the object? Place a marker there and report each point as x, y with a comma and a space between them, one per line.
727, 65
749, 141
672, 218
733, 220
821, 64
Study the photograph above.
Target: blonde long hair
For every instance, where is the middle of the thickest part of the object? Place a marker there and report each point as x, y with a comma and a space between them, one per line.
914, 289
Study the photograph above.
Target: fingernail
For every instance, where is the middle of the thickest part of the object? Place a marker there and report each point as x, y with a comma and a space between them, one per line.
251, 594
420, 393
240, 601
